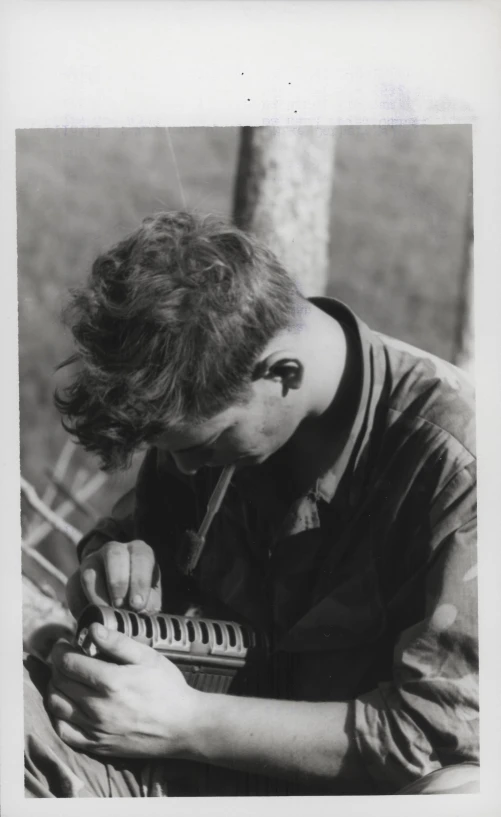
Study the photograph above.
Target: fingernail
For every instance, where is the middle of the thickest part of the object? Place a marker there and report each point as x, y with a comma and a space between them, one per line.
137, 600
119, 602
101, 631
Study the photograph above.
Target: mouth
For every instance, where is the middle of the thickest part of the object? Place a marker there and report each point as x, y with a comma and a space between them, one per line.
239, 462
244, 461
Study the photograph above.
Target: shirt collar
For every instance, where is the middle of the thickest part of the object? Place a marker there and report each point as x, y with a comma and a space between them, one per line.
368, 348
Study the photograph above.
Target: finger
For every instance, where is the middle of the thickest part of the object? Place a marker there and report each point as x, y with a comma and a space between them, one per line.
142, 565
73, 690
116, 559
154, 602
60, 706
75, 596
74, 666
120, 648
75, 736
93, 579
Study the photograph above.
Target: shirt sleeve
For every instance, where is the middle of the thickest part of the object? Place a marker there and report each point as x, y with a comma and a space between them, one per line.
426, 717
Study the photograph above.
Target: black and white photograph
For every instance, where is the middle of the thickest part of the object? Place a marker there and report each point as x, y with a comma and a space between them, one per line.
248, 360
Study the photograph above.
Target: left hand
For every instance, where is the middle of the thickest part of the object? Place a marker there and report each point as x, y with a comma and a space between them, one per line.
138, 706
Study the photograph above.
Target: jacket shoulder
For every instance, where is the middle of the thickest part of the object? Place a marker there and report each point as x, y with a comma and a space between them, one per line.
423, 387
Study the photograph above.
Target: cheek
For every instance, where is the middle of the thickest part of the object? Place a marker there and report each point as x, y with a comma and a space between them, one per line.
252, 439
268, 426
276, 426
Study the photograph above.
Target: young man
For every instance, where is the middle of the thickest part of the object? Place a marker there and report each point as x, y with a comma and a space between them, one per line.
347, 535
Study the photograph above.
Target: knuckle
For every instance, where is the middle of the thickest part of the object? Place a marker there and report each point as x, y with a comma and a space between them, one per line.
114, 549
140, 548
110, 686
117, 582
95, 712
66, 662
110, 690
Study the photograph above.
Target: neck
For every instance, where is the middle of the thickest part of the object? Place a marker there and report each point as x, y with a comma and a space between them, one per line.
326, 361
332, 380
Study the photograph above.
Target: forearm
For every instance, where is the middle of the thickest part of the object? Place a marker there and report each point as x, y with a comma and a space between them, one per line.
312, 743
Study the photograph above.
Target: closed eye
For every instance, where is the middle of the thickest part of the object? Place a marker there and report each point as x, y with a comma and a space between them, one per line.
198, 449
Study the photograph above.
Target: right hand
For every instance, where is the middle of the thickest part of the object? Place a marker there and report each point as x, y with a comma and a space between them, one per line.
119, 575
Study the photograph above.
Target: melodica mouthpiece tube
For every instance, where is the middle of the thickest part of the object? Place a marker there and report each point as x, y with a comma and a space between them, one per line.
194, 542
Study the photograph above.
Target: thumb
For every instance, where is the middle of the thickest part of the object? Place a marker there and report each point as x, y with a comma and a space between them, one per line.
119, 648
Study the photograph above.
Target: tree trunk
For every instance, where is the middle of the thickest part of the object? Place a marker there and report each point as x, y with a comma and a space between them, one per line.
283, 195
464, 352
465, 357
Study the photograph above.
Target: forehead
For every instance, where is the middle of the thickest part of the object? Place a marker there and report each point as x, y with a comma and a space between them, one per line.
190, 435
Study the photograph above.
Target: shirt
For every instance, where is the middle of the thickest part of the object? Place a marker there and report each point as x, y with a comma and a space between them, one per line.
366, 583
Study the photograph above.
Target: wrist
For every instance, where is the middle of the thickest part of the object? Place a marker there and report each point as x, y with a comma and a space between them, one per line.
204, 719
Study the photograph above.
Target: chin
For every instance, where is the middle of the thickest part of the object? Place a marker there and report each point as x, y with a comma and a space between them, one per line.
257, 459
247, 462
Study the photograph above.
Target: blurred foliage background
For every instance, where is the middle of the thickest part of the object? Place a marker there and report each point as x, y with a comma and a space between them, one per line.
398, 223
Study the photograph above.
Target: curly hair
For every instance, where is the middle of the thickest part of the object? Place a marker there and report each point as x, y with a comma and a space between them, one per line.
168, 330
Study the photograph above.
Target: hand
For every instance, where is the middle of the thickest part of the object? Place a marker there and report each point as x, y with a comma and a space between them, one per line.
140, 706
117, 574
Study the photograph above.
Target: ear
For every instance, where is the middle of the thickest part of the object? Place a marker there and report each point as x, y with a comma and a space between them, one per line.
280, 367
